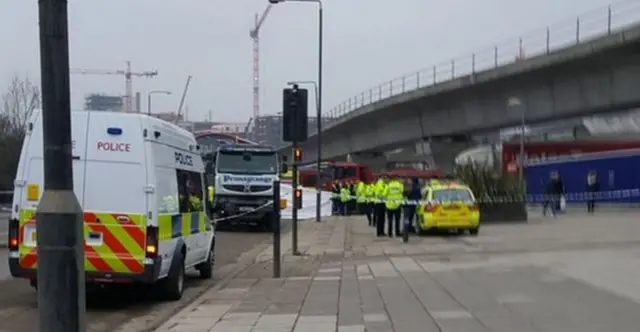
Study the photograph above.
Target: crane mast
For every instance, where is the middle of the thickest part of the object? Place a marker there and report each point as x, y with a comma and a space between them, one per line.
255, 35
128, 75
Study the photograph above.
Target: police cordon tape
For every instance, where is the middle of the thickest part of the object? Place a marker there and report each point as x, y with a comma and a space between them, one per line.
610, 196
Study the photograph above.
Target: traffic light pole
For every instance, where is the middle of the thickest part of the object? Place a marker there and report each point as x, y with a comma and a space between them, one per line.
60, 235
294, 212
294, 171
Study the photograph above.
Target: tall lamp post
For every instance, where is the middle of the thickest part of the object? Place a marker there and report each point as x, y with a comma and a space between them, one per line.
515, 102
154, 92
319, 154
318, 97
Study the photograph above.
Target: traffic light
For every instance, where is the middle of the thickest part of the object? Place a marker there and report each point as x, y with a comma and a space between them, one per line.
297, 199
294, 114
297, 155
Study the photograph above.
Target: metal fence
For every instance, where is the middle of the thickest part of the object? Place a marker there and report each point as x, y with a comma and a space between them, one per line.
584, 28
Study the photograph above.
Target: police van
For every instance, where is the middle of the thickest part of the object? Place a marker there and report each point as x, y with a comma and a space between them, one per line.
139, 181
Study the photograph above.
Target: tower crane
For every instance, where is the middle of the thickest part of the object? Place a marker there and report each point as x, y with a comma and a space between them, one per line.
255, 35
127, 73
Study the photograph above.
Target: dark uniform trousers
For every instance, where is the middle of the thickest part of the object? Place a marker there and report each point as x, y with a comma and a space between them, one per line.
380, 211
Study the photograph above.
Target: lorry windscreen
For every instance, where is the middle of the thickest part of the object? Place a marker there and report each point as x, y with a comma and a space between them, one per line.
238, 162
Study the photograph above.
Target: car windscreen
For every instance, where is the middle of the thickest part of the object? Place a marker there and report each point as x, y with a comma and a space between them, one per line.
241, 162
452, 195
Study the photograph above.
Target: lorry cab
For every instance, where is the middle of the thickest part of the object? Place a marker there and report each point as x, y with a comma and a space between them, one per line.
138, 180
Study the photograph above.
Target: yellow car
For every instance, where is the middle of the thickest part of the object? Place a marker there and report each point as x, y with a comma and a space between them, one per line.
450, 207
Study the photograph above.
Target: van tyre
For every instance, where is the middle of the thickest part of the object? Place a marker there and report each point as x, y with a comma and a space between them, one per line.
206, 267
173, 286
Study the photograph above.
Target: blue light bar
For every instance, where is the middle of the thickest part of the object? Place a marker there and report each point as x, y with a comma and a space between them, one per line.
114, 131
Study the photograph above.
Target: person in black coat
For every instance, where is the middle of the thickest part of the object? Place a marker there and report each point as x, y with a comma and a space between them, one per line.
555, 189
413, 194
593, 186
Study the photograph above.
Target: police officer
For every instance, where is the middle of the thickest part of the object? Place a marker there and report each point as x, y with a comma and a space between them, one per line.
380, 209
195, 204
361, 189
394, 196
335, 198
352, 200
369, 194
345, 198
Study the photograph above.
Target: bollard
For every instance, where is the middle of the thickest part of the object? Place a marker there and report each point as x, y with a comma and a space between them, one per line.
276, 229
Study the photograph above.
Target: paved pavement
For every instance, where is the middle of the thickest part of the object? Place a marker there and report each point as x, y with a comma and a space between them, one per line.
576, 273
109, 309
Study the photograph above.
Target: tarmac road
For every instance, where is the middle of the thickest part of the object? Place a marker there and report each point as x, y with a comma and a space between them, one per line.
107, 310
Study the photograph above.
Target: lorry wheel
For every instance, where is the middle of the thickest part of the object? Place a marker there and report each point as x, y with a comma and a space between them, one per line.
173, 286
206, 268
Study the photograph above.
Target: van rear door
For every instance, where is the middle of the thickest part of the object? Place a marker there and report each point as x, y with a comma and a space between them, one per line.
114, 196
30, 178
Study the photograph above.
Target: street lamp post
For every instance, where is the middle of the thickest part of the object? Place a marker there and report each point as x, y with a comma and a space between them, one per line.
154, 92
319, 147
318, 98
517, 103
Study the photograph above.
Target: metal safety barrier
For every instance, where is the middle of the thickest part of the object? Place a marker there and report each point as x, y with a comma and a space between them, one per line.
584, 28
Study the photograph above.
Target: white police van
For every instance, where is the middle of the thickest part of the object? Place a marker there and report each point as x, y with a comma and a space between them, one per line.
139, 181
243, 181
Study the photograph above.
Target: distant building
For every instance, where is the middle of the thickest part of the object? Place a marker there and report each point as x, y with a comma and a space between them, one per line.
102, 102
169, 116
228, 128
267, 129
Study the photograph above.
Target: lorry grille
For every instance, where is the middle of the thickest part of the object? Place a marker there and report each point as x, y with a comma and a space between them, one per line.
240, 188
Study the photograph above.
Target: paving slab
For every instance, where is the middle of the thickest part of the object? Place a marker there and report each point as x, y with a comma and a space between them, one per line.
554, 275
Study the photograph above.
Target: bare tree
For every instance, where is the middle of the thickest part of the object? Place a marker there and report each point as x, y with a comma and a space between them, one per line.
18, 102
16, 106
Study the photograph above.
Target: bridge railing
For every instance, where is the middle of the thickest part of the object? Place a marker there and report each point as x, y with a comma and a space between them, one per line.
584, 28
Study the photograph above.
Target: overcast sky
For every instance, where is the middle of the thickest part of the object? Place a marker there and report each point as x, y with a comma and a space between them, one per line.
366, 42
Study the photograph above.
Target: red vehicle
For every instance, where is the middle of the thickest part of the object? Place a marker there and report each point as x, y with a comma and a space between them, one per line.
334, 171
410, 173
540, 151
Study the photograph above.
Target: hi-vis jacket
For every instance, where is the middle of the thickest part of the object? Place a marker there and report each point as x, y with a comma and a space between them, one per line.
361, 189
394, 195
380, 188
211, 192
370, 192
345, 194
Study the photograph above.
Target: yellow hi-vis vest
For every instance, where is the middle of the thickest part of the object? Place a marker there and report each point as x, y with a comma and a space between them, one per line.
380, 188
345, 195
394, 195
370, 192
211, 192
361, 189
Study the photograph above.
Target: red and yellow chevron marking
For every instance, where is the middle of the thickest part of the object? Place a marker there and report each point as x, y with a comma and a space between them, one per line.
121, 249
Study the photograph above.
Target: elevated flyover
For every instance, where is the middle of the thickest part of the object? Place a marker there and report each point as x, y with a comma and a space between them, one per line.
593, 67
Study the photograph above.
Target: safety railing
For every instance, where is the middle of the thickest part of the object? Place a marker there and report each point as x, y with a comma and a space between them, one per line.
584, 28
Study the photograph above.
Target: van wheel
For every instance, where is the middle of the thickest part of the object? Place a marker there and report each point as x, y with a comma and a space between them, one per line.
173, 286
206, 268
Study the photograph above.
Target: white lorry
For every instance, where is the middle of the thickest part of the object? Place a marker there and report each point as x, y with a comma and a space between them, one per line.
243, 178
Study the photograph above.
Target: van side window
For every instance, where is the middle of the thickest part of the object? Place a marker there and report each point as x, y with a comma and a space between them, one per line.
189, 191
167, 190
